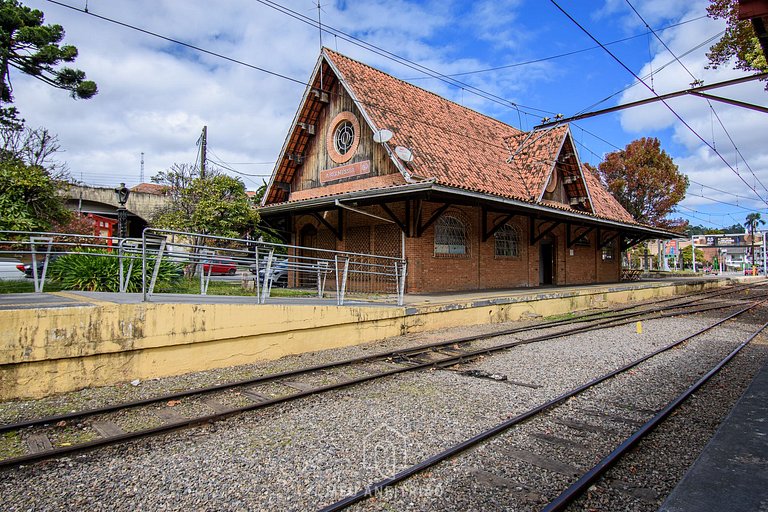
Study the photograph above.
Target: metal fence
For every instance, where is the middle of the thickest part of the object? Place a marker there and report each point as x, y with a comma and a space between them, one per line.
257, 265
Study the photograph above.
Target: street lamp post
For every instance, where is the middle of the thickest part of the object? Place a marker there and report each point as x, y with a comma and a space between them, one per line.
122, 193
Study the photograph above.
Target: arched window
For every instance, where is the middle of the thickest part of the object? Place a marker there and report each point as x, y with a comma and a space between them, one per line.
450, 236
507, 240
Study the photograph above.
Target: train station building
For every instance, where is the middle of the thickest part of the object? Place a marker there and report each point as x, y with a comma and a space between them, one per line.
375, 165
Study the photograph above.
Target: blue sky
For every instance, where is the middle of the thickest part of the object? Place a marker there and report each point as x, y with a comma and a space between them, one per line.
155, 96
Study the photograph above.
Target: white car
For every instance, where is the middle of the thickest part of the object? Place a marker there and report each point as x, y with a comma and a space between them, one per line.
9, 269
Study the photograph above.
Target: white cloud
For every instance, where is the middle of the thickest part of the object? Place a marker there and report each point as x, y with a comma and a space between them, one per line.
746, 127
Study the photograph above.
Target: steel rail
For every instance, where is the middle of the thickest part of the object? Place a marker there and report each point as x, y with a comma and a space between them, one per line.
586, 480
372, 489
399, 353
188, 422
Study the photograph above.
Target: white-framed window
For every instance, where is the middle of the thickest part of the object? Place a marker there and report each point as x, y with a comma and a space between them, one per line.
507, 242
344, 137
451, 236
608, 251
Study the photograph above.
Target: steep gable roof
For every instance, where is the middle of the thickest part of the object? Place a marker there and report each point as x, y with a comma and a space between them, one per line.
452, 145
605, 204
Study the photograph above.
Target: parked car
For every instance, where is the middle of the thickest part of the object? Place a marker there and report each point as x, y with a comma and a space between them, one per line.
27, 269
9, 269
278, 273
220, 266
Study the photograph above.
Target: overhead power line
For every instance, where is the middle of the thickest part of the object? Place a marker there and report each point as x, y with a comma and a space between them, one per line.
560, 55
708, 97
303, 83
695, 91
688, 126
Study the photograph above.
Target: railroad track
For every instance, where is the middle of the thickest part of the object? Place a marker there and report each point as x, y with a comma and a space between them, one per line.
105, 426
566, 426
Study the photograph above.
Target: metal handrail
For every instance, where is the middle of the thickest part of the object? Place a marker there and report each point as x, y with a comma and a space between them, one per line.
266, 260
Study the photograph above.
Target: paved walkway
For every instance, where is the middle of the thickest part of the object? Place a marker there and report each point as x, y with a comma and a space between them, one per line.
732, 471
473, 298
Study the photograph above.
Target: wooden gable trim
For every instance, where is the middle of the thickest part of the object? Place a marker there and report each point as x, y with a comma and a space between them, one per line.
569, 137
552, 169
364, 113
302, 130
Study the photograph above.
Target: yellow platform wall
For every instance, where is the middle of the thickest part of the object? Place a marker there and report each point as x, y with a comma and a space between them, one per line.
52, 350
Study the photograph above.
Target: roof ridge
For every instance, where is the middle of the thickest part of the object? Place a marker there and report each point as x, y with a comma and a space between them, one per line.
326, 50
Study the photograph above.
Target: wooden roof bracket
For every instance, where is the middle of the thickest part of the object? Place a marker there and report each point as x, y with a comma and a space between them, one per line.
572, 239
337, 230
628, 241
496, 226
403, 225
542, 232
436, 215
604, 242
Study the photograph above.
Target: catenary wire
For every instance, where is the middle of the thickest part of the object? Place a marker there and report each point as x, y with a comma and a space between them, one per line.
673, 111
560, 55
696, 79
236, 61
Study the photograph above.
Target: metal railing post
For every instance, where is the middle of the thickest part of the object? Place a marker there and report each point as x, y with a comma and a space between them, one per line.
256, 284
39, 281
343, 290
266, 287
144, 265
401, 283
157, 267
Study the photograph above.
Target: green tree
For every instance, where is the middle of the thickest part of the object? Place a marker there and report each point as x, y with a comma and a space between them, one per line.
28, 198
739, 40
752, 221
214, 205
685, 256
645, 180
30, 46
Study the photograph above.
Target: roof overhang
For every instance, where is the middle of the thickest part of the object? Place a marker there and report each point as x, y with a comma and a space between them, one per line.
437, 192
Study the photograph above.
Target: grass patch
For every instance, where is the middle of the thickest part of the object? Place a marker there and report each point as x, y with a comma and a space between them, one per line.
182, 286
27, 286
192, 286
11, 445
557, 318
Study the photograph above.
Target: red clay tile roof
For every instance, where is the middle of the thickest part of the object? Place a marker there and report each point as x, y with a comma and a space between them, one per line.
533, 155
150, 188
605, 204
452, 144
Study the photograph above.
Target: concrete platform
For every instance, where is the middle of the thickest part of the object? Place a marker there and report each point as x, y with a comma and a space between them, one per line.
732, 471
62, 341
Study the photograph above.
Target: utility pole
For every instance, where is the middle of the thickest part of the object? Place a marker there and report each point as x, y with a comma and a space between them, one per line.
203, 143
141, 176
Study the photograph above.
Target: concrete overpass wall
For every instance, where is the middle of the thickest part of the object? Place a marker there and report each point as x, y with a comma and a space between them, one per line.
140, 204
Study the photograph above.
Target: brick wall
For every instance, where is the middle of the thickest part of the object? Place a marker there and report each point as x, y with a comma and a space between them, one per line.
480, 267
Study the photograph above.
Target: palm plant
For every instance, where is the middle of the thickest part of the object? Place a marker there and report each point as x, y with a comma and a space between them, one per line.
752, 221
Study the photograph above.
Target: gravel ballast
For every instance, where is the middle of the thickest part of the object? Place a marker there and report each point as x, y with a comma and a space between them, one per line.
306, 454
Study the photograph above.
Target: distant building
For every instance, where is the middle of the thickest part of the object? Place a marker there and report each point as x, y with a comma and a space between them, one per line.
372, 164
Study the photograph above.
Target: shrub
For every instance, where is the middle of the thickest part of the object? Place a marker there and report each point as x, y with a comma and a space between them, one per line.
99, 271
